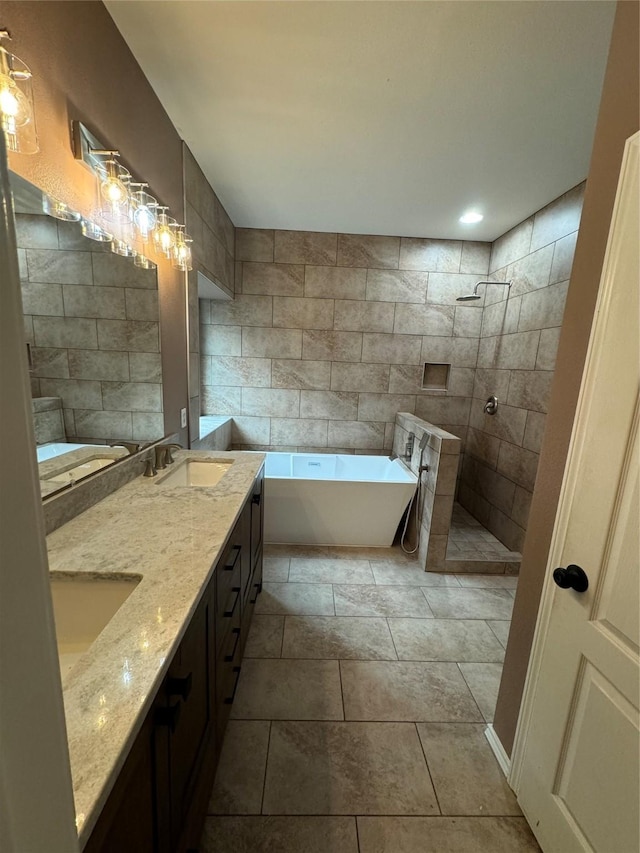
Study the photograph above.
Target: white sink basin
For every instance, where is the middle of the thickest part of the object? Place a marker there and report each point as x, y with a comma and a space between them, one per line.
82, 470
193, 472
82, 608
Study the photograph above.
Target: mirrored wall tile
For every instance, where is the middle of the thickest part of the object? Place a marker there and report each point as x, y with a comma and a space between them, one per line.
335, 282
357, 434
271, 343
364, 316
143, 367
132, 396
360, 377
339, 405
511, 246
475, 257
147, 426
221, 340
254, 244
360, 250
305, 247
103, 425
320, 345
42, 299
229, 370
103, 302
559, 218
273, 279
51, 364
306, 313
346, 768
36, 231
240, 774
384, 407
391, 349
279, 835
131, 335
142, 304
445, 640
291, 373
270, 402
110, 270
287, 431
424, 319
244, 310
60, 267
74, 393
93, 364
434, 255
221, 400
397, 286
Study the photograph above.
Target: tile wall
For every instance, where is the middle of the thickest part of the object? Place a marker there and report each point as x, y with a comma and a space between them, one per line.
214, 255
516, 358
326, 338
92, 321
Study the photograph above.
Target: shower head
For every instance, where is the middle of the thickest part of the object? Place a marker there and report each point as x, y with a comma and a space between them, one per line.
471, 297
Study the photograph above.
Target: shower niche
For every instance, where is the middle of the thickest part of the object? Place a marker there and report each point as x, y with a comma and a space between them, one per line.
435, 376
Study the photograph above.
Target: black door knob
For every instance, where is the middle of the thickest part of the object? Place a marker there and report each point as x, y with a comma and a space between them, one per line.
573, 577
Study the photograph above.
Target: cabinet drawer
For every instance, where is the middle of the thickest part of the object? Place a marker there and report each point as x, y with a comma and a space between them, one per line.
228, 575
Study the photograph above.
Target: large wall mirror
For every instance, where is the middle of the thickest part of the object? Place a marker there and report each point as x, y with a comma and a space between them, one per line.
93, 336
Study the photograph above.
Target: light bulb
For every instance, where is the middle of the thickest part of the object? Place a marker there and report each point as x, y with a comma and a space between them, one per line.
144, 219
114, 190
16, 102
164, 236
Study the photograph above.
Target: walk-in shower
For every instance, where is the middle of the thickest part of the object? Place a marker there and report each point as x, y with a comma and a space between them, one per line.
470, 297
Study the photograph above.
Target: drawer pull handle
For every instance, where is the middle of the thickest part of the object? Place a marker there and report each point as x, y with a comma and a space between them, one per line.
180, 686
168, 716
229, 658
230, 612
229, 700
229, 567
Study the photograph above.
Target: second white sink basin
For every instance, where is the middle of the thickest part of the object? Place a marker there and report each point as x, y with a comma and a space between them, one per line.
193, 472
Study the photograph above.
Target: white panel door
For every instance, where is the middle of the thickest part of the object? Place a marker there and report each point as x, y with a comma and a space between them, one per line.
577, 756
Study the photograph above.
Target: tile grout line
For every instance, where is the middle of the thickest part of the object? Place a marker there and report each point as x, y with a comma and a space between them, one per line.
484, 720
266, 764
424, 754
344, 714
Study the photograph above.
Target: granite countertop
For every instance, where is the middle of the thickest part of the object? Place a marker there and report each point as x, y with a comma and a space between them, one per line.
170, 537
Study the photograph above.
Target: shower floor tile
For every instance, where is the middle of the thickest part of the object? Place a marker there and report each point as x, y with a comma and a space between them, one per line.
363, 691
470, 542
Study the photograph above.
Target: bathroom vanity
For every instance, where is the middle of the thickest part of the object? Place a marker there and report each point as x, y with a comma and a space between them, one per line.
147, 705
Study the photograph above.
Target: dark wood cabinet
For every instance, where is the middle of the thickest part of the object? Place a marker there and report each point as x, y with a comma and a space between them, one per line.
159, 801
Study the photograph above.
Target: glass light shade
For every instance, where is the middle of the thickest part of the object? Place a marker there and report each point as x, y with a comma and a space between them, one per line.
16, 104
164, 234
113, 182
94, 232
181, 259
119, 247
144, 263
59, 210
143, 213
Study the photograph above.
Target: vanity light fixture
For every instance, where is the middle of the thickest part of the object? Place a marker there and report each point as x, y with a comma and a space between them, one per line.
471, 217
59, 210
144, 263
164, 234
94, 232
17, 115
113, 180
143, 211
120, 247
181, 259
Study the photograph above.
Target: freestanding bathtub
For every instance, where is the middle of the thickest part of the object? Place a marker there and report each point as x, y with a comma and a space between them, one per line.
326, 499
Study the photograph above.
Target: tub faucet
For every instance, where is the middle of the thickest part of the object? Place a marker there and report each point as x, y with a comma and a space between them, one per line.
408, 450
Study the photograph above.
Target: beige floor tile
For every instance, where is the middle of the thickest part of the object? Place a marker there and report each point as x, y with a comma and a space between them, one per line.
275, 569
488, 581
289, 690
445, 835
403, 690
375, 600
445, 640
265, 637
470, 603
322, 570
279, 835
484, 682
346, 637
501, 629
240, 773
464, 771
296, 598
347, 768
386, 573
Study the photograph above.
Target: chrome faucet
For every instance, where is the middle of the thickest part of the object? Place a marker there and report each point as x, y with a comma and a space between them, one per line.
163, 455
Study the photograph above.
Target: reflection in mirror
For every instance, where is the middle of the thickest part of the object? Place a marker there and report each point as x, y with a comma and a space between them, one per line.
93, 337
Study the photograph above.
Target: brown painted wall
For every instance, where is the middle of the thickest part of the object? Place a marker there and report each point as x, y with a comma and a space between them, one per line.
84, 70
618, 120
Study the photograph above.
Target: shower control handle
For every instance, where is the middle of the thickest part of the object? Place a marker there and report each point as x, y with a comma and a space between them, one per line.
491, 406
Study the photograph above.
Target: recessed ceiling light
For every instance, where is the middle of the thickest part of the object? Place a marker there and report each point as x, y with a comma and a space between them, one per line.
471, 217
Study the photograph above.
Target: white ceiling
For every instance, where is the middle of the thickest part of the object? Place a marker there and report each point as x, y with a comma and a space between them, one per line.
378, 117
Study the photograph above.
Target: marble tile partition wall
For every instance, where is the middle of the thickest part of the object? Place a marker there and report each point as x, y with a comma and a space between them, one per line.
326, 338
214, 255
442, 456
516, 360
91, 319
